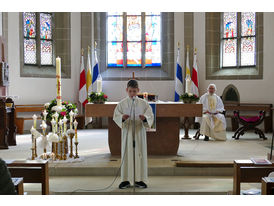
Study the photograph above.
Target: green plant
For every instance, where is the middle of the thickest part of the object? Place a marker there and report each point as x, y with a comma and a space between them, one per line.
67, 107
189, 97
96, 97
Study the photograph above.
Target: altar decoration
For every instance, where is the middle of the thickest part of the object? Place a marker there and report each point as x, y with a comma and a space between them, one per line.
97, 97
189, 98
57, 115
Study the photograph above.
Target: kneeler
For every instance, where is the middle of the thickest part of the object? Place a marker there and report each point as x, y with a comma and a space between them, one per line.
249, 123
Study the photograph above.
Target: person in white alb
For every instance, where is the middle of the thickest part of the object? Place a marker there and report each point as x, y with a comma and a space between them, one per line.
213, 122
123, 117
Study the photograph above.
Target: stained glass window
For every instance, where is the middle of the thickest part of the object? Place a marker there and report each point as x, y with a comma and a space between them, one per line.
38, 42
239, 39
136, 36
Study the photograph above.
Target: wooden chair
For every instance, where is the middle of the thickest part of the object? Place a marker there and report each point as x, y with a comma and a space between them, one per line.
249, 123
198, 134
19, 121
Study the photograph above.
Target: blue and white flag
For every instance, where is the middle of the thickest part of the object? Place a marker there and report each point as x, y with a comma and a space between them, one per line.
179, 79
96, 77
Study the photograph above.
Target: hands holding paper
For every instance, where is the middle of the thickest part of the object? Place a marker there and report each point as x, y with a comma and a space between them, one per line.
125, 117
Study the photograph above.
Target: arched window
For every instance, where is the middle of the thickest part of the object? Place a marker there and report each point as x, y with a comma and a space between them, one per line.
38, 39
134, 39
238, 40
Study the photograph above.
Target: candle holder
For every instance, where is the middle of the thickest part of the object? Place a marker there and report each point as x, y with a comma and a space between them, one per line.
32, 154
71, 146
56, 150
61, 150
76, 150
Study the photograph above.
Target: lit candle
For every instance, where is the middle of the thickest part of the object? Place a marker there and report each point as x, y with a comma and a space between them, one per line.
34, 117
65, 124
45, 114
99, 83
75, 127
71, 119
58, 79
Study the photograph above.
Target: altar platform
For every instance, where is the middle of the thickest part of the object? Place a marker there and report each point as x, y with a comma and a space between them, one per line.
207, 170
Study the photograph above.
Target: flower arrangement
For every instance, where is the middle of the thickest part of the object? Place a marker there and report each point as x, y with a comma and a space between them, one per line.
67, 107
189, 98
97, 97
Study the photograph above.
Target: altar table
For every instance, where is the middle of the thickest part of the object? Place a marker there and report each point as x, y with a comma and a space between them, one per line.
165, 141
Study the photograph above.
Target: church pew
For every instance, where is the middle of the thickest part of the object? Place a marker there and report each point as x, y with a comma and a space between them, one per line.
248, 172
267, 186
18, 184
33, 171
19, 121
250, 107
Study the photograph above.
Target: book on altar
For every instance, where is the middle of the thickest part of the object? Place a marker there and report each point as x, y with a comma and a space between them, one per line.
258, 161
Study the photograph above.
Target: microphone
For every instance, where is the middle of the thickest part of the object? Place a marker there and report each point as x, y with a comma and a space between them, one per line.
133, 98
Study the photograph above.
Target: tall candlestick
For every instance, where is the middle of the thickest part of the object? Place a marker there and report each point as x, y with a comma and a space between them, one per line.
58, 79
60, 129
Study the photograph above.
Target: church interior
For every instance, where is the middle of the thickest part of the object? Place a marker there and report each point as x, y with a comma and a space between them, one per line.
205, 79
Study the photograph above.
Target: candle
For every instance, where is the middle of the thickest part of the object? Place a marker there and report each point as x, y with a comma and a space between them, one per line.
34, 117
45, 114
58, 79
71, 118
65, 124
56, 115
188, 85
99, 83
60, 129
75, 127
53, 122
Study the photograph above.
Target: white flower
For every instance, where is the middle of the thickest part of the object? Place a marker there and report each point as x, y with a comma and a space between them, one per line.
46, 105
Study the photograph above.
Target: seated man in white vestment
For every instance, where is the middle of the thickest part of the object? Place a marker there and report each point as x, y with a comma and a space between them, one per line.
213, 123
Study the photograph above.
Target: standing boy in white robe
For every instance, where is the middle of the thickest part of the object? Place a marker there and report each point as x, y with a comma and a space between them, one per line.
123, 117
213, 121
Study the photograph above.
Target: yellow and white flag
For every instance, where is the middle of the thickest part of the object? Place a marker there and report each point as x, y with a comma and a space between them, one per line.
89, 77
188, 76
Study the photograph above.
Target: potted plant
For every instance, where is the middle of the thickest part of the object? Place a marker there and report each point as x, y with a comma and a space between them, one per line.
189, 98
97, 97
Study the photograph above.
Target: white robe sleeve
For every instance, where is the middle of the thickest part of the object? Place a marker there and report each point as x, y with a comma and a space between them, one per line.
220, 105
118, 115
149, 116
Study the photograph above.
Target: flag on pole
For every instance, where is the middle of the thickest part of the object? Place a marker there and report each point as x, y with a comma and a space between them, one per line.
188, 77
82, 85
89, 79
187, 63
179, 78
95, 70
194, 78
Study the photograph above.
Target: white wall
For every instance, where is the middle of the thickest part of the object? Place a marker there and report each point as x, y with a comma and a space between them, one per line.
251, 91
42, 90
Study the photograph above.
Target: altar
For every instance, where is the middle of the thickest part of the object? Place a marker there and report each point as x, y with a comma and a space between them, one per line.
165, 141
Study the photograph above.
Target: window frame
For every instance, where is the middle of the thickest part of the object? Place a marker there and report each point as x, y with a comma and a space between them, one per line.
124, 42
38, 40
239, 39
